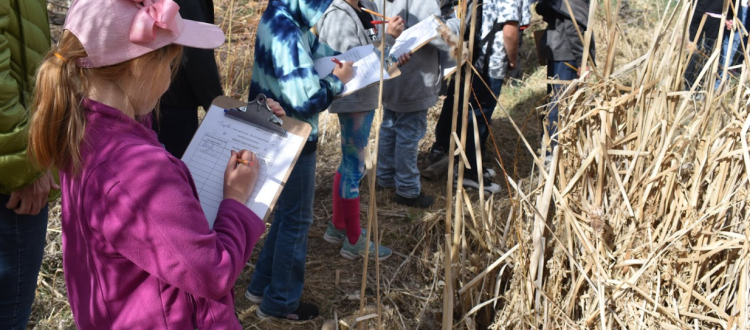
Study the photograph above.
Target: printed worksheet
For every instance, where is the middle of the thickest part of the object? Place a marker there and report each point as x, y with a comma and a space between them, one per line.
416, 36
366, 65
210, 150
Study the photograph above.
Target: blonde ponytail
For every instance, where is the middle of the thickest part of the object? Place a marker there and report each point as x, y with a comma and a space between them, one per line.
58, 124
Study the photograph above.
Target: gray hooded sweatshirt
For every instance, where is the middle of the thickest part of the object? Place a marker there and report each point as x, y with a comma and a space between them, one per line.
341, 29
419, 84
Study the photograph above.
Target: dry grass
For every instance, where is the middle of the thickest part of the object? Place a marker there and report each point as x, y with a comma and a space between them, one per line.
412, 280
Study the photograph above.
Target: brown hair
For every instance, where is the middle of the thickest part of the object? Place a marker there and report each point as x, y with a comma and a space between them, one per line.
58, 123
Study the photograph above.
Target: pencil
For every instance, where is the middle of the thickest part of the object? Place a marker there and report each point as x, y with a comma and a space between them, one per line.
570, 66
240, 160
374, 13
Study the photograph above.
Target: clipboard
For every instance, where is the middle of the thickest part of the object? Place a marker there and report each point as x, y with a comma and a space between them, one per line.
209, 151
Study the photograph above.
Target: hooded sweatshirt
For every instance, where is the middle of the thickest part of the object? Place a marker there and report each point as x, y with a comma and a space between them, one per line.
419, 84
137, 249
341, 28
284, 70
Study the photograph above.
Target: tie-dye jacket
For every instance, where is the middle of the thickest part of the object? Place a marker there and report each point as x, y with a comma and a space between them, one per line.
283, 70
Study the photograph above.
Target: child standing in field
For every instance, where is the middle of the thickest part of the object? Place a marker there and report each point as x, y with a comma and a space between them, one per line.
285, 49
138, 252
344, 26
407, 99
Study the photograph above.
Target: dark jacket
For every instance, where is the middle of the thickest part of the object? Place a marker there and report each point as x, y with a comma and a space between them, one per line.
24, 39
561, 41
712, 25
197, 81
548, 8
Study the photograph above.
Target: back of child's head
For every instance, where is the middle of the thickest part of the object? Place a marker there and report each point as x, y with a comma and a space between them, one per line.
128, 42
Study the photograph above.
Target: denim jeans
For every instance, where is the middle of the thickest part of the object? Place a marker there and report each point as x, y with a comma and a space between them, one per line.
561, 71
22, 241
400, 133
355, 133
280, 271
484, 109
725, 51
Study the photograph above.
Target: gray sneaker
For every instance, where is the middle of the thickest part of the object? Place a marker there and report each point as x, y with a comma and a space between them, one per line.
355, 251
333, 235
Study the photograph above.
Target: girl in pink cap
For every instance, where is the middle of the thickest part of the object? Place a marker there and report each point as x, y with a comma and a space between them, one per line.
138, 252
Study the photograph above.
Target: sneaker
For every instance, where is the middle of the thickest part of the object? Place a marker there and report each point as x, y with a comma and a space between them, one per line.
253, 298
435, 156
305, 312
333, 235
470, 181
422, 201
488, 173
355, 251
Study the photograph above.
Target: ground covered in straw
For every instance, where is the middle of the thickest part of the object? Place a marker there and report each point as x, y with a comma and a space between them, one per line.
412, 281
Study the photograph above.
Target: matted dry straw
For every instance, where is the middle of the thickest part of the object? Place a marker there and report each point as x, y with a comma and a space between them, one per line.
640, 222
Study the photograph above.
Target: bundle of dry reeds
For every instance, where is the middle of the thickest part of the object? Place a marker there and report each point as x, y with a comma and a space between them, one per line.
641, 221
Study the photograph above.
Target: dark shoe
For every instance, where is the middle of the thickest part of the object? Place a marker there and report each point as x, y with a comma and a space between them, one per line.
305, 312
422, 201
435, 156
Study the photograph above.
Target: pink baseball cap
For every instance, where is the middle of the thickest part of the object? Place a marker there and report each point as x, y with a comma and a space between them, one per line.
115, 31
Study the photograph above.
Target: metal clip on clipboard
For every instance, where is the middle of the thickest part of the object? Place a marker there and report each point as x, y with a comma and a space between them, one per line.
258, 113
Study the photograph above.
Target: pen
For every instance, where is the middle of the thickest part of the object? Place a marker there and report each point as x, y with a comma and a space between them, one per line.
337, 62
378, 22
374, 13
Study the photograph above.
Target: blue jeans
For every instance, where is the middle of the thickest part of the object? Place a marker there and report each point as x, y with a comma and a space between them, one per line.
22, 240
280, 272
560, 71
355, 133
482, 109
400, 133
725, 51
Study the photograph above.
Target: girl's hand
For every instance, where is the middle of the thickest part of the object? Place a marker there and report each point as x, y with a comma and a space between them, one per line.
404, 58
240, 178
276, 108
395, 26
344, 72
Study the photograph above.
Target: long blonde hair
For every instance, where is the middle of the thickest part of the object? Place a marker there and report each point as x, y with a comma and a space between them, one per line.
58, 123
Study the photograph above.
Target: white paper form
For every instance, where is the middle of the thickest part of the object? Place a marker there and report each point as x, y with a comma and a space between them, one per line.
366, 66
414, 36
209, 152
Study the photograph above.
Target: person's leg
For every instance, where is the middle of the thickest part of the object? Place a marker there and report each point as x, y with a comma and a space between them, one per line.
355, 133
483, 104
410, 128
294, 211
445, 122
386, 170
176, 127
560, 70
22, 241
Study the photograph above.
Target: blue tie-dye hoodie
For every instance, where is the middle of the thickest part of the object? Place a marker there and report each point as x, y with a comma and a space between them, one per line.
283, 70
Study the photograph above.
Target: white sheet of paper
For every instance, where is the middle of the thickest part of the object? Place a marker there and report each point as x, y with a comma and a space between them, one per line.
366, 66
416, 35
209, 151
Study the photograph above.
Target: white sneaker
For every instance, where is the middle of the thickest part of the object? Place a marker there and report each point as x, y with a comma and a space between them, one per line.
489, 173
489, 186
253, 298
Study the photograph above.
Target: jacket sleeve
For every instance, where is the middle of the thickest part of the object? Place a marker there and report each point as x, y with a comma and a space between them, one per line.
151, 216
320, 49
300, 86
15, 166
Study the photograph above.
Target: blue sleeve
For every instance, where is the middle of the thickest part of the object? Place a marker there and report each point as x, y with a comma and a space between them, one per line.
320, 49
301, 88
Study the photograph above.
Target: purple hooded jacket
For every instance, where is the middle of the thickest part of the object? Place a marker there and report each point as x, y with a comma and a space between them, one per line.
137, 249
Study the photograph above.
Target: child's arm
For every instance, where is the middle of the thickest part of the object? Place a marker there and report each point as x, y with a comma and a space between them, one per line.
337, 30
151, 216
300, 86
320, 49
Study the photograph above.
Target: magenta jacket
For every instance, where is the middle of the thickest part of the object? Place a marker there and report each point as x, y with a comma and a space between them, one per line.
137, 250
